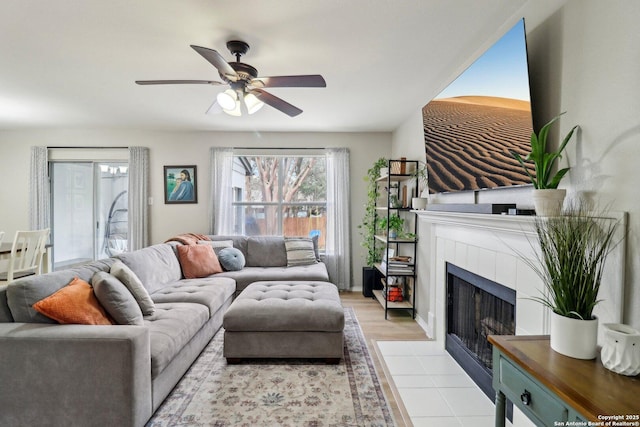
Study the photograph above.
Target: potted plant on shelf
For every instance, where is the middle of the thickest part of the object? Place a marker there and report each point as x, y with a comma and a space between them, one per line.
393, 223
573, 249
547, 198
420, 201
367, 228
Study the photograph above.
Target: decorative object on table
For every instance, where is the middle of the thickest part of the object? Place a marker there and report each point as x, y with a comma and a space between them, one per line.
621, 349
180, 184
547, 198
573, 249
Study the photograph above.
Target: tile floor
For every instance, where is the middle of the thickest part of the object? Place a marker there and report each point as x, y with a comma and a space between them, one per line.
434, 389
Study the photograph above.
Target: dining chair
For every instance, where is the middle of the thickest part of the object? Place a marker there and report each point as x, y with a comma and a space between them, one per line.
26, 255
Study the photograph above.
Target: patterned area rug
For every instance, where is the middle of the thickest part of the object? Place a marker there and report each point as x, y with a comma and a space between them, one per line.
279, 392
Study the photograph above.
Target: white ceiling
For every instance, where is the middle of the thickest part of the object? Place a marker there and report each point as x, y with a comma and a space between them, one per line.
73, 63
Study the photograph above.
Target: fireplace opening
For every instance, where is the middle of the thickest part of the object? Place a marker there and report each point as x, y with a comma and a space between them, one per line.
476, 308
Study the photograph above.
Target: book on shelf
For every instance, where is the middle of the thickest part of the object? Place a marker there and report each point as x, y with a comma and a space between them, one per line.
400, 258
400, 264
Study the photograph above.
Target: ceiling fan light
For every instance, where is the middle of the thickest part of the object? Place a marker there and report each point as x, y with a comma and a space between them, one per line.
253, 103
227, 99
235, 111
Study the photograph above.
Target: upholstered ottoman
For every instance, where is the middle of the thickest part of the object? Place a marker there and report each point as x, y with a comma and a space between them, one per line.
297, 319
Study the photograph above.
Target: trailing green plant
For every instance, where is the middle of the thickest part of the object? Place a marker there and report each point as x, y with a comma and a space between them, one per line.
368, 225
573, 251
543, 159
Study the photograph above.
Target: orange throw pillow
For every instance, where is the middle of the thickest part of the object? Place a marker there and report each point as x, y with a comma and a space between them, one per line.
75, 303
198, 261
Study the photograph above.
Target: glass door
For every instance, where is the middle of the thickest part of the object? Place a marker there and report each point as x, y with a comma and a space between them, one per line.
89, 211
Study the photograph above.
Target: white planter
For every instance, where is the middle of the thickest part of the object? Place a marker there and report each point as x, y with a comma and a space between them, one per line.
384, 172
574, 337
548, 201
419, 203
621, 349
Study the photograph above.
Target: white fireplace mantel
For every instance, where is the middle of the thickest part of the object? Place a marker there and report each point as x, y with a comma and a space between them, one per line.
519, 224
493, 246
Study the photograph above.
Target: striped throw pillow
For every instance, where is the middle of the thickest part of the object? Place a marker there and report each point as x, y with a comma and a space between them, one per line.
299, 251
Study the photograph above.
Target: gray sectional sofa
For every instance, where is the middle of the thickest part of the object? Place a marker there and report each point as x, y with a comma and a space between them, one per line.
85, 375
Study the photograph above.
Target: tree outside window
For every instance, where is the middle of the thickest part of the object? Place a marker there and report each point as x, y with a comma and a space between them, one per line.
280, 195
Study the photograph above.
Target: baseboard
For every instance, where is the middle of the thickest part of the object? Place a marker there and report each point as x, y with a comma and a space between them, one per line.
425, 326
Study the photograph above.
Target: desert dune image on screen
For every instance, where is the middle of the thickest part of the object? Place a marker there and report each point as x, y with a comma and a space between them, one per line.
470, 126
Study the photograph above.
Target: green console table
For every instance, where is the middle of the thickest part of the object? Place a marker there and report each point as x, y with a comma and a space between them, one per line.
556, 390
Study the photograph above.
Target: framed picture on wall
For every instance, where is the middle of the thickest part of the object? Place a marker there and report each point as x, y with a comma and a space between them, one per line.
180, 184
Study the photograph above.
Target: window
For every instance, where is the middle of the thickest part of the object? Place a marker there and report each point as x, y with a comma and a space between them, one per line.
280, 195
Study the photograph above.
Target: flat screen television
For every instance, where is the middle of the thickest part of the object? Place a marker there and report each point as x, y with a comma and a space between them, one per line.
472, 124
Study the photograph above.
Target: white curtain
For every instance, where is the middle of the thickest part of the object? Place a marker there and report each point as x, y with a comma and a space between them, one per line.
39, 191
221, 210
338, 239
138, 196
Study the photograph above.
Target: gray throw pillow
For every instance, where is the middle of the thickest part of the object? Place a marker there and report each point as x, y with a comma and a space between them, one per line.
231, 259
135, 286
116, 299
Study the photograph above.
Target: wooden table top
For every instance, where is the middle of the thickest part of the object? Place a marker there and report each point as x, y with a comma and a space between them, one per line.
586, 385
5, 248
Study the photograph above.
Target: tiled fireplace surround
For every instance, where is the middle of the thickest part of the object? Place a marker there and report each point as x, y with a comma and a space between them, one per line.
492, 246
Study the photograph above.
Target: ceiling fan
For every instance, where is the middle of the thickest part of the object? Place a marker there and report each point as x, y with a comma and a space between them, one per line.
246, 88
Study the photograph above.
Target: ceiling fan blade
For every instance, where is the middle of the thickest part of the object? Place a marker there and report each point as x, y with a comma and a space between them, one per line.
313, 80
277, 103
179, 82
217, 61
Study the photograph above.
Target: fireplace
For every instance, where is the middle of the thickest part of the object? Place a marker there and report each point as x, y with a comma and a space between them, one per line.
492, 246
476, 307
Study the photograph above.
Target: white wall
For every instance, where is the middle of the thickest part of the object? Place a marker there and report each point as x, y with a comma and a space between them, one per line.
181, 148
584, 61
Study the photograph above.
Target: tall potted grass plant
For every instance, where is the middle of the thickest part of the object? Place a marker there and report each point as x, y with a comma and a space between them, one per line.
573, 249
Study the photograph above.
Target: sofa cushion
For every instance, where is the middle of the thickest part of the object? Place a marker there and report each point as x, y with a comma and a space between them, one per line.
125, 275
239, 241
74, 304
198, 261
5, 312
266, 251
299, 251
231, 259
154, 265
286, 306
171, 327
116, 299
211, 292
23, 293
217, 245
248, 275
